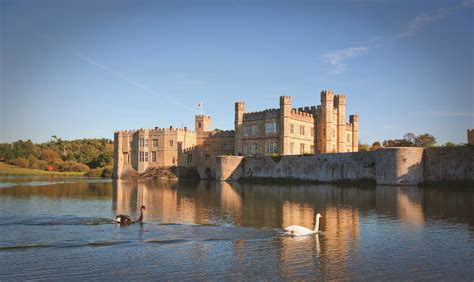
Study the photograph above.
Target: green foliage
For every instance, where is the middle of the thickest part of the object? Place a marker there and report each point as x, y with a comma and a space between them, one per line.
425, 140
364, 147
64, 155
73, 166
20, 162
107, 172
451, 144
102, 160
6, 152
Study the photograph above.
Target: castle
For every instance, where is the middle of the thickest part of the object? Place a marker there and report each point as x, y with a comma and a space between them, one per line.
282, 131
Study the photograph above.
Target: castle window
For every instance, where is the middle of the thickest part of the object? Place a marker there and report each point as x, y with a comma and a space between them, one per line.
146, 142
153, 156
292, 128
206, 157
254, 130
271, 127
271, 148
246, 131
199, 125
141, 142
171, 143
190, 158
311, 129
141, 156
146, 156
173, 161
302, 129
292, 148
254, 148
301, 148
154, 143
245, 149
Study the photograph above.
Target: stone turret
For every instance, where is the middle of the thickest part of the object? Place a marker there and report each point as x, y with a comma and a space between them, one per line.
202, 123
327, 121
239, 117
340, 105
354, 120
285, 114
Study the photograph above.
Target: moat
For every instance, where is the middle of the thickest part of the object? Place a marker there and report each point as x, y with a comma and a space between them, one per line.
54, 228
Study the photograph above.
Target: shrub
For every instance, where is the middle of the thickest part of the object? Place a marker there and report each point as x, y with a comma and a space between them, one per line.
20, 162
107, 172
73, 166
95, 172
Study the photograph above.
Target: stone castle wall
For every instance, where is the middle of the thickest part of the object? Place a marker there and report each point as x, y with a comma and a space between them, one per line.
390, 166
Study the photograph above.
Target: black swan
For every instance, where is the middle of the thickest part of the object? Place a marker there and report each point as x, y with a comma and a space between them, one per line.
123, 219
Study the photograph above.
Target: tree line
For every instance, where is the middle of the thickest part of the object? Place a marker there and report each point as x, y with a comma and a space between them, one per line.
424, 140
92, 156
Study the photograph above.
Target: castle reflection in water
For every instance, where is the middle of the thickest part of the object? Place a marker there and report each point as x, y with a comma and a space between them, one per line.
273, 207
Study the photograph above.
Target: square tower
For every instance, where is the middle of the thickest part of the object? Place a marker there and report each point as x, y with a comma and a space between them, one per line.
202, 123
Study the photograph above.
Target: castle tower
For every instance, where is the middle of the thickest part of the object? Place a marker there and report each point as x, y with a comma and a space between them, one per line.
239, 117
340, 105
285, 114
327, 124
354, 120
202, 123
118, 158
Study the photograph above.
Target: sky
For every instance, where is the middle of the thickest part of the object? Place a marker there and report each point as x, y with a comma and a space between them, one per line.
84, 69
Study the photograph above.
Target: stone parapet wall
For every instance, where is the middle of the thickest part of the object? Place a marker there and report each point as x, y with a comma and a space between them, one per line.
449, 164
391, 166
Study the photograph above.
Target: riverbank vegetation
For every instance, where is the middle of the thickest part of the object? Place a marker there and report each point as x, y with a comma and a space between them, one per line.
90, 157
425, 140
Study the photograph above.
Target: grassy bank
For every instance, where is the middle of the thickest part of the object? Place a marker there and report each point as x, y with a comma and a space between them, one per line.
7, 169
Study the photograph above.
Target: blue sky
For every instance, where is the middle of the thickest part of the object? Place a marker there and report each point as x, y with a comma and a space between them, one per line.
80, 69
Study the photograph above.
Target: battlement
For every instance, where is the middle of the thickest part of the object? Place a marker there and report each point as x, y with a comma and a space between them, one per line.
268, 113
353, 118
239, 105
326, 95
285, 100
217, 133
203, 116
339, 100
154, 130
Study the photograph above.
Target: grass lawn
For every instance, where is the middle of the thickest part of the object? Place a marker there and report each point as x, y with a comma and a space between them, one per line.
6, 169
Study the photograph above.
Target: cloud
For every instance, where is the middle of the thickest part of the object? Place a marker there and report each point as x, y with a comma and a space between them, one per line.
422, 20
337, 59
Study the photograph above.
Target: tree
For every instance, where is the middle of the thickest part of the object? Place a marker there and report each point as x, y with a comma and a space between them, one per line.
50, 156
425, 140
450, 144
363, 147
397, 143
410, 137
376, 145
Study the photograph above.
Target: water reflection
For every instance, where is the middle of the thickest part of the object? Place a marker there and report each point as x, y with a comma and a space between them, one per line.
278, 206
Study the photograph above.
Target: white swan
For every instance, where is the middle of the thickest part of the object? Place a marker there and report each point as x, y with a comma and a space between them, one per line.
297, 230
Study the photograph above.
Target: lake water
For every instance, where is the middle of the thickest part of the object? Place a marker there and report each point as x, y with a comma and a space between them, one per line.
52, 228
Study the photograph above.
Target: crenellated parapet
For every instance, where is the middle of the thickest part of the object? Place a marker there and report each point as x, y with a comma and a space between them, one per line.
302, 115
266, 114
